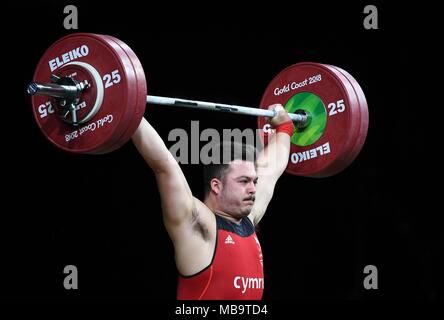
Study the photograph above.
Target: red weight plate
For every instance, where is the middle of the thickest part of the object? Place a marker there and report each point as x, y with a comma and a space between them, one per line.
86, 54
141, 87
353, 138
359, 142
133, 96
328, 154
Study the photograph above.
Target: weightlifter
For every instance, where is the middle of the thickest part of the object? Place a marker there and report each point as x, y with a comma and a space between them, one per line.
217, 252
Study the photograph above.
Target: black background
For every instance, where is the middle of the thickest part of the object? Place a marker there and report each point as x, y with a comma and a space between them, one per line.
102, 213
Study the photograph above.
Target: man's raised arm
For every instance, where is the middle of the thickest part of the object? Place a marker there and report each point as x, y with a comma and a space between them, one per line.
176, 196
272, 161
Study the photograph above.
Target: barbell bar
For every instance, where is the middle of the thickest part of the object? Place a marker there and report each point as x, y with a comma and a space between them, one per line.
63, 92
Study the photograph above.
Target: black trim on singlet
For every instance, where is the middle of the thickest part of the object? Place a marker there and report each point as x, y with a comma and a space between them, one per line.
244, 229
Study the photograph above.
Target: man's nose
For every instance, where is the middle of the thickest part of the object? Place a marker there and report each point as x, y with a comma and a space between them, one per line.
251, 188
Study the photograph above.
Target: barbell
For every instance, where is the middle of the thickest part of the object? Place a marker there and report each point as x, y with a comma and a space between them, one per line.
97, 96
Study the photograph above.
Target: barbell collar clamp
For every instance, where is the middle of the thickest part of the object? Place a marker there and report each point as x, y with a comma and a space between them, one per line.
66, 91
55, 90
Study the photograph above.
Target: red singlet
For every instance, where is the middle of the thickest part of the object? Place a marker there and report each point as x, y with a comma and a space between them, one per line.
236, 271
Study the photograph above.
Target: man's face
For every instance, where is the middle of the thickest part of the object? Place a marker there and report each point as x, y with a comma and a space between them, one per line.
238, 189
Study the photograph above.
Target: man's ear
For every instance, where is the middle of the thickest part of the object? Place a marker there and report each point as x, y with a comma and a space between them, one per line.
216, 186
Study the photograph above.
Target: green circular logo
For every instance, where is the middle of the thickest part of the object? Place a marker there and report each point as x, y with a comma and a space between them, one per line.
314, 106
